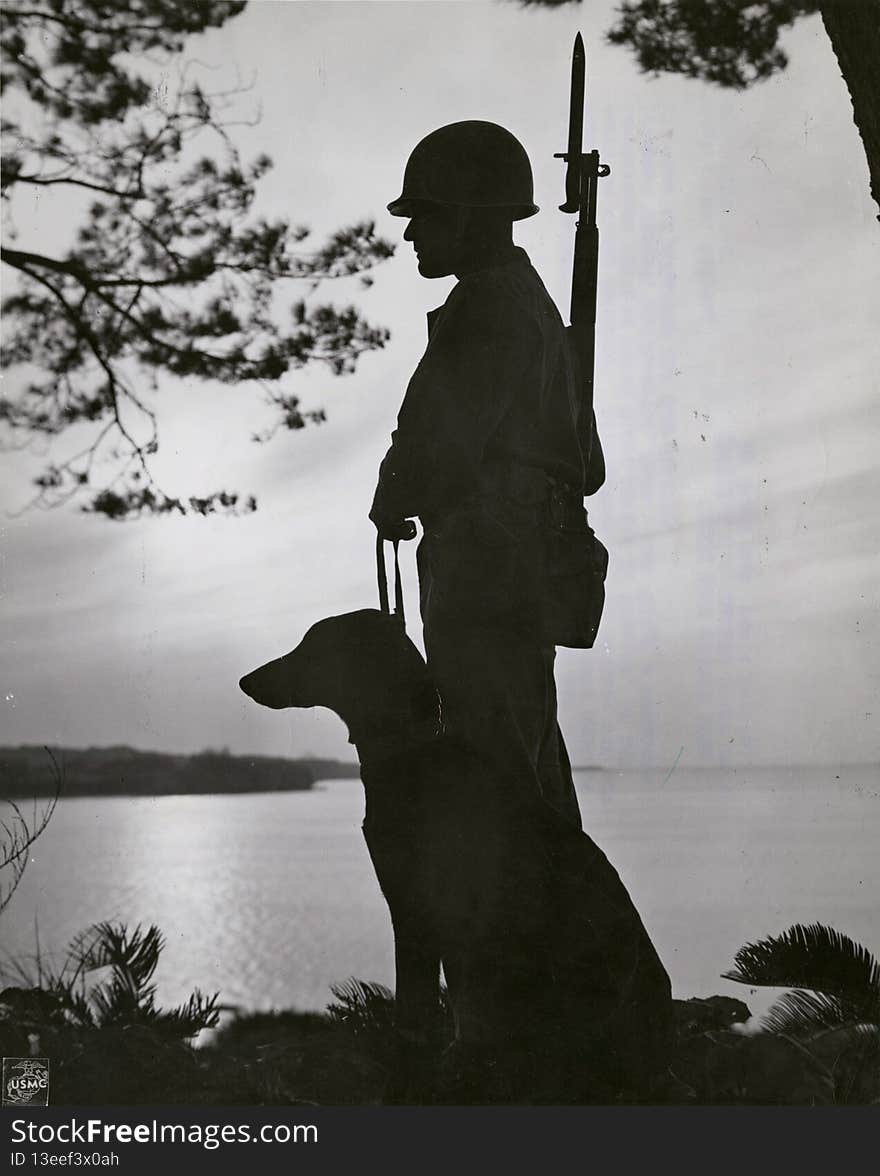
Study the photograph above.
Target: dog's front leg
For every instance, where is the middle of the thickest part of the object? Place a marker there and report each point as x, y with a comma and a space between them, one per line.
412, 1080
417, 971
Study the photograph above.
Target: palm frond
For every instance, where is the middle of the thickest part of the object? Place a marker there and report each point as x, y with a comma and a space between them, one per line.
109, 945
78, 1008
88, 950
803, 1014
362, 1005
126, 996
852, 1054
815, 957
199, 1012
132, 957
836, 1041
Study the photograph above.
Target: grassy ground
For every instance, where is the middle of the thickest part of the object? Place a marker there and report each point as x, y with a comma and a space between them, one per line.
352, 1057
108, 1043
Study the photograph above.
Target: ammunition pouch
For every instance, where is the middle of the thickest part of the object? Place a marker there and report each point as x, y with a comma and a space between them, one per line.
575, 566
520, 554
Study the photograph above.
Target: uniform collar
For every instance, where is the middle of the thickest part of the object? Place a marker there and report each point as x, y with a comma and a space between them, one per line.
507, 256
516, 257
432, 317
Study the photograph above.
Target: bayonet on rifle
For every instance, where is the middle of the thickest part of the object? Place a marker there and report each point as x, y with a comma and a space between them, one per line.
581, 181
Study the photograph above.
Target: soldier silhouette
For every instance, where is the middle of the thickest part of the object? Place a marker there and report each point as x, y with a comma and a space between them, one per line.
494, 452
490, 426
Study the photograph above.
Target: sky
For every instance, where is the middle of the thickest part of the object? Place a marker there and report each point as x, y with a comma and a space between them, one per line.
736, 395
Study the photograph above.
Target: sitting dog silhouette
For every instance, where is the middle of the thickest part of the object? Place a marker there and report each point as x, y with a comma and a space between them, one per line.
544, 954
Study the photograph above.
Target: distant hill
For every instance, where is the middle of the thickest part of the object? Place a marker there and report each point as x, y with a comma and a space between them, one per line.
123, 771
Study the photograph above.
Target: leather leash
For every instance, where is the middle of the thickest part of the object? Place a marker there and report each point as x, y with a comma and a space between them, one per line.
383, 580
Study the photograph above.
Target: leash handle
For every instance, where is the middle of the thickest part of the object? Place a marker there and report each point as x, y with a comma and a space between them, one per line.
383, 579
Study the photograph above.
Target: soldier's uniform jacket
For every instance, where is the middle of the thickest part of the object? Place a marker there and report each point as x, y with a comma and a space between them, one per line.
492, 411
495, 382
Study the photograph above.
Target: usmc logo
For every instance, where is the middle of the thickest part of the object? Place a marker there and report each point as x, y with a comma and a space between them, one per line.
25, 1082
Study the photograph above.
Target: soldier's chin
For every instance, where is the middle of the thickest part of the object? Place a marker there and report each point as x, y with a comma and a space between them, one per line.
429, 268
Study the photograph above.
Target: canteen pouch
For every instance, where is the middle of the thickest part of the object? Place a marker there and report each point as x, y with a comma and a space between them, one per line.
576, 564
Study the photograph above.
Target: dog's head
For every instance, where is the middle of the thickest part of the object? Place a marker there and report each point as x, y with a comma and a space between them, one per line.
361, 665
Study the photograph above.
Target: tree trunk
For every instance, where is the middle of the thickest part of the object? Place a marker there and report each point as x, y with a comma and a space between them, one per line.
853, 27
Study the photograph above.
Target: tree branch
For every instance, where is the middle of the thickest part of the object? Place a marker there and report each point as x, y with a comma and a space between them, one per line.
18, 178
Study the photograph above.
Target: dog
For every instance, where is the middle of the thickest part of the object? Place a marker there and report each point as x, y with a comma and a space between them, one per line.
540, 944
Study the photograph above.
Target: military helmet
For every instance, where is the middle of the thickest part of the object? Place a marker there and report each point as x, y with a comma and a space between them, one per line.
471, 164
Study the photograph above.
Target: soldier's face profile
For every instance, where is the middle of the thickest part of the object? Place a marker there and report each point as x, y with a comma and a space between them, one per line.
435, 234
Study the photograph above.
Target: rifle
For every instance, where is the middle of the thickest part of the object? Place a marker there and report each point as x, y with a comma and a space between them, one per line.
581, 181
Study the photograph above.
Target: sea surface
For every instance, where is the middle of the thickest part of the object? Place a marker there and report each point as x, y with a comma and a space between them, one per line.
270, 898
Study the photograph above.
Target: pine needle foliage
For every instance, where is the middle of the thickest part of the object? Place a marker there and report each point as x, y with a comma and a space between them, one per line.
171, 275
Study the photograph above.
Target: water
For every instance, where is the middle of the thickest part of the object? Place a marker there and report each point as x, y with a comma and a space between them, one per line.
270, 898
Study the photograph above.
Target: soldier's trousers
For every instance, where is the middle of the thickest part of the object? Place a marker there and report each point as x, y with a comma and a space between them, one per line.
498, 691
556, 965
